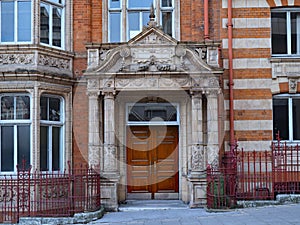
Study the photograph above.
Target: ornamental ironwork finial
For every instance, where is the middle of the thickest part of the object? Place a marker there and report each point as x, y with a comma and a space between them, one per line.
152, 22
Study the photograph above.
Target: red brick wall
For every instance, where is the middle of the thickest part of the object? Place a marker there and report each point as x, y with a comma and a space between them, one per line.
80, 124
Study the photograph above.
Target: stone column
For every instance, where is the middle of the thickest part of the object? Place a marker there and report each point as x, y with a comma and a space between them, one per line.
197, 175
110, 152
94, 130
110, 174
212, 128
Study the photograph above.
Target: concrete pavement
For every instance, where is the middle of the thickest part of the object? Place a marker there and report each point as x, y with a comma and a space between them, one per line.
179, 214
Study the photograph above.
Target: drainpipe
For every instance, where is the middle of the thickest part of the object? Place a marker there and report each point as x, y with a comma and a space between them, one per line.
230, 65
206, 20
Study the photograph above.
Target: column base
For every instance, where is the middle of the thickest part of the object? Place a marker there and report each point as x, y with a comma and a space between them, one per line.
198, 185
109, 191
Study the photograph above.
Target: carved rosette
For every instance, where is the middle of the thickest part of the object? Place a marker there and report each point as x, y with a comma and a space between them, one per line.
93, 84
198, 158
110, 158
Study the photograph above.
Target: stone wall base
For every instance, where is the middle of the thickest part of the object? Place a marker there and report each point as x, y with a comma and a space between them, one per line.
77, 218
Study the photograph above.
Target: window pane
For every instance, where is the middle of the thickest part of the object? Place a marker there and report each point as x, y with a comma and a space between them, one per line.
7, 108
114, 4
134, 24
23, 144
7, 24
296, 119
56, 1
44, 108
146, 18
280, 118
279, 33
45, 23
295, 19
55, 148
56, 26
24, 21
165, 112
44, 148
22, 107
7, 148
115, 27
139, 3
54, 109
167, 22
166, 3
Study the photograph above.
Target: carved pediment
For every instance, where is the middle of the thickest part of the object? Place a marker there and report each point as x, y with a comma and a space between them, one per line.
152, 51
152, 36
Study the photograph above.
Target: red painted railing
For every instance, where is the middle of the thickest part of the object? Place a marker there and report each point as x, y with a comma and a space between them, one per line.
48, 194
255, 175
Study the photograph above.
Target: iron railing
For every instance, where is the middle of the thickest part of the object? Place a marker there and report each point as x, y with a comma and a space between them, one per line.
255, 175
48, 194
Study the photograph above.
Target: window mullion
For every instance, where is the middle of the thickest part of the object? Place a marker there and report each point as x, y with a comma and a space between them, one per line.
16, 21
290, 119
50, 25
50, 148
289, 33
15, 147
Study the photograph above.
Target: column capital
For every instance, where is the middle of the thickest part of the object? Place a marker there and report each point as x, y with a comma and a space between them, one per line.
108, 92
212, 93
92, 94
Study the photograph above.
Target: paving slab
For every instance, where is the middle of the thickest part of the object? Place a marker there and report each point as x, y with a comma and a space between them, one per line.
180, 214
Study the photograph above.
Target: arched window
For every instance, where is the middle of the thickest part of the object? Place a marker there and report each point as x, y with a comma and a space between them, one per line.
51, 132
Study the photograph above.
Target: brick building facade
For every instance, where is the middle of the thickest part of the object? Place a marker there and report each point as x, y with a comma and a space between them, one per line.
149, 94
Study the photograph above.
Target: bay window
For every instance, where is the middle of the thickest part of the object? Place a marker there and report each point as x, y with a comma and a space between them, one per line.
286, 117
16, 24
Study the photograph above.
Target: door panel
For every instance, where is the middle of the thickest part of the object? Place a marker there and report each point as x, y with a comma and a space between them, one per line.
138, 159
152, 158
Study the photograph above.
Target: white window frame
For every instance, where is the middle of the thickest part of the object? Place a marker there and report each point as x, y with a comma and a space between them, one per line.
288, 12
290, 98
62, 6
16, 24
123, 10
50, 124
15, 123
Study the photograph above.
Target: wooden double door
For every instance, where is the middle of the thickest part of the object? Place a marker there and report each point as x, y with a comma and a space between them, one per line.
152, 162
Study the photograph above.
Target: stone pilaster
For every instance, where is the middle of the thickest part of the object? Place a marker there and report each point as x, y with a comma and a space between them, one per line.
110, 151
198, 163
94, 129
212, 128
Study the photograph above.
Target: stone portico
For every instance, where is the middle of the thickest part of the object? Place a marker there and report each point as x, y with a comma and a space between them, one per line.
151, 68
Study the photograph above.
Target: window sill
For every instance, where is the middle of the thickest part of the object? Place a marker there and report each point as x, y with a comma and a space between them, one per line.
285, 58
